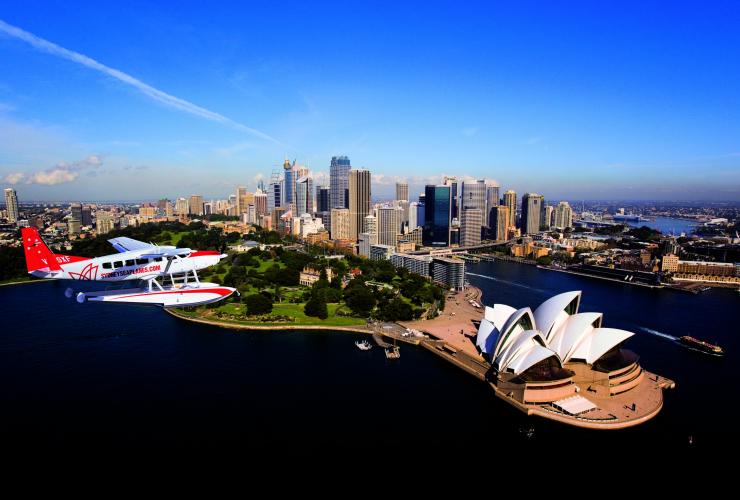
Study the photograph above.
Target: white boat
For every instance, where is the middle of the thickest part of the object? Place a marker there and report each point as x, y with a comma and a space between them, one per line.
364, 345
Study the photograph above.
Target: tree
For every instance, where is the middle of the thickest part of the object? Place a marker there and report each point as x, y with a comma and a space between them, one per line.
316, 306
360, 300
258, 304
332, 295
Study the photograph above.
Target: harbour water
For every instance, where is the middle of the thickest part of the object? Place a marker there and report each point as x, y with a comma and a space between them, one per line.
668, 225
112, 376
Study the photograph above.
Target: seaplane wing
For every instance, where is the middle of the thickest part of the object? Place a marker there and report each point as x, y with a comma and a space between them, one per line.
124, 244
166, 252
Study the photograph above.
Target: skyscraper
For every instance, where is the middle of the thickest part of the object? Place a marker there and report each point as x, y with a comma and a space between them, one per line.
402, 191
241, 200
563, 215
323, 198
196, 204
304, 196
413, 216
531, 212
76, 212
389, 224
11, 204
499, 223
359, 201
454, 195
86, 219
339, 181
274, 193
182, 207
510, 203
289, 183
470, 226
340, 224
492, 200
546, 223
260, 203
437, 213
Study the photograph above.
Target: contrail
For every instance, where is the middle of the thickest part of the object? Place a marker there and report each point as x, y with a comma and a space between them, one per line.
157, 95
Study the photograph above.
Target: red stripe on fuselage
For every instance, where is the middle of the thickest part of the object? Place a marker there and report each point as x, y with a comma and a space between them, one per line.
203, 253
219, 291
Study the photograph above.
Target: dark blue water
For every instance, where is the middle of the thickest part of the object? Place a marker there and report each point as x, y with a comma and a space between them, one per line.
668, 225
99, 376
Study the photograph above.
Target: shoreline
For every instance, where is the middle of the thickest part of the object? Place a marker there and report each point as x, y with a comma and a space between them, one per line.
545, 268
26, 282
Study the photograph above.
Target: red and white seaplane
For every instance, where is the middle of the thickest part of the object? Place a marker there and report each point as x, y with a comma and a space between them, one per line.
136, 260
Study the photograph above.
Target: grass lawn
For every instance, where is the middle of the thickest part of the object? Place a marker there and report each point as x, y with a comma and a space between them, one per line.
293, 310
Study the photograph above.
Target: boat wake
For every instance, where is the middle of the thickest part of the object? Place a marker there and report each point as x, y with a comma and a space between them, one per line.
507, 282
659, 334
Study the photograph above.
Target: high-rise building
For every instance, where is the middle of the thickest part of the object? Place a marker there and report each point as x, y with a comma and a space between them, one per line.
402, 191
241, 200
323, 199
11, 204
492, 200
420, 213
455, 191
366, 241
471, 221
304, 196
510, 203
86, 219
274, 193
260, 202
339, 181
499, 221
340, 224
359, 201
389, 225
371, 224
544, 221
531, 212
104, 222
182, 207
76, 212
563, 215
289, 183
196, 204
547, 223
437, 213
73, 225
413, 215
474, 195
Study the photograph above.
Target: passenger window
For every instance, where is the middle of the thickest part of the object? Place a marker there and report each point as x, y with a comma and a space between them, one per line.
142, 261
106, 265
117, 264
130, 262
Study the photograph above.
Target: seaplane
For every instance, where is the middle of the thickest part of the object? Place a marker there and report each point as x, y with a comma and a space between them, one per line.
166, 276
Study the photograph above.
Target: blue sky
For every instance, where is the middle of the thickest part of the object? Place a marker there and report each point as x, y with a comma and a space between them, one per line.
596, 100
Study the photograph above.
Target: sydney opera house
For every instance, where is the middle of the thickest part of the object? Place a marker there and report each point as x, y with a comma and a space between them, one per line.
563, 364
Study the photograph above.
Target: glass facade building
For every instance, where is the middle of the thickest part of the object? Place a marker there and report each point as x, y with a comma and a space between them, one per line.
437, 212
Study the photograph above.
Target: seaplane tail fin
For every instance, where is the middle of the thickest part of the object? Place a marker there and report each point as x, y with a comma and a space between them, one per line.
38, 255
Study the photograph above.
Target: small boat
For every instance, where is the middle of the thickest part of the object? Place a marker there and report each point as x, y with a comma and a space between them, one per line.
700, 346
364, 345
392, 352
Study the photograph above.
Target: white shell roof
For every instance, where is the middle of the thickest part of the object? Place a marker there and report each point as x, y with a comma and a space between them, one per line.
598, 343
550, 312
487, 336
530, 358
498, 314
506, 331
571, 333
518, 349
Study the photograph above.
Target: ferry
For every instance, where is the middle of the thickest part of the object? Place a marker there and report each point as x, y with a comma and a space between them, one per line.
701, 346
364, 345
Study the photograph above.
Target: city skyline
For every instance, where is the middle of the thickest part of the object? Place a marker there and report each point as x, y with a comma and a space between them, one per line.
621, 106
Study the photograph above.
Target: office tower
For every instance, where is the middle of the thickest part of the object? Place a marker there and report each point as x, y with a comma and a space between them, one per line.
241, 200
208, 208
323, 198
371, 225
304, 196
413, 218
339, 181
437, 213
473, 195
455, 192
499, 221
470, 226
76, 212
543, 213
274, 192
531, 212
420, 213
340, 224
260, 202
546, 223
73, 225
492, 200
104, 222
289, 183
563, 215
86, 219
196, 204
389, 224
11, 204
261, 185
402, 191
359, 201
366, 241
168, 209
510, 203
182, 207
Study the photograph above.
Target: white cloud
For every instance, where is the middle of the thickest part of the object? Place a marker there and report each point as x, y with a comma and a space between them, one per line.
156, 94
61, 173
